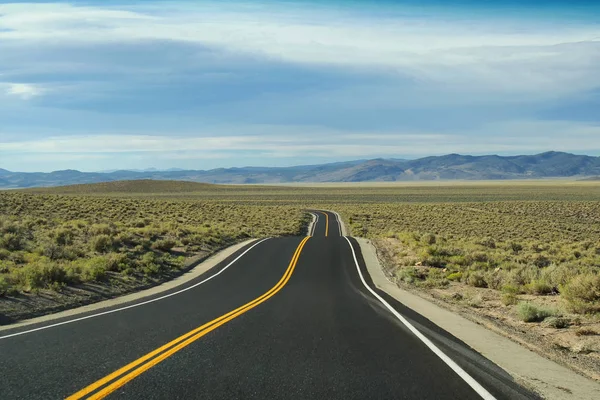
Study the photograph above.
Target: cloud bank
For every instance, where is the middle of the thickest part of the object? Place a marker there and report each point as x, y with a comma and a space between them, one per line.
237, 82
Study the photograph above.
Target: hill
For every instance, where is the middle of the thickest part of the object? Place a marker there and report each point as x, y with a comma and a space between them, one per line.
139, 186
448, 167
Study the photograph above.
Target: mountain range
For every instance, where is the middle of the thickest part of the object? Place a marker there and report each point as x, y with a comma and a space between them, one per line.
448, 167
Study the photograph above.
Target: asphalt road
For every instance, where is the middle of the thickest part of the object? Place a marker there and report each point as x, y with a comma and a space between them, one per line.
291, 318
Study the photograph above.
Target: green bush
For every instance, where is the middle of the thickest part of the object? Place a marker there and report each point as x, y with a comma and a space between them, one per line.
40, 274
429, 238
150, 264
100, 229
455, 276
164, 244
476, 279
63, 237
11, 242
582, 294
539, 286
509, 299
95, 269
510, 288
102, 243
411, 274
556, 322
435, 278
529, 312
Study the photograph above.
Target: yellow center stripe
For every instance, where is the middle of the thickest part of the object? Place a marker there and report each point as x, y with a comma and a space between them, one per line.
174, 346
326, 224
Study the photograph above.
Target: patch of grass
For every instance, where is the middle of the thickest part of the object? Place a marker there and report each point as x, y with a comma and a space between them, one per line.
529, 312
582, 293
556, 322
509, 299
455, 276
477, 279
164, 244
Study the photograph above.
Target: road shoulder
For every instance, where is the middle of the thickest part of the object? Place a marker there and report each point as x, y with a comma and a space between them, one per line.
193, 273
546, 377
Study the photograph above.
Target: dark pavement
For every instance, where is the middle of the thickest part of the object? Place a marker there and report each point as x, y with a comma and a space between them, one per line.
320, 334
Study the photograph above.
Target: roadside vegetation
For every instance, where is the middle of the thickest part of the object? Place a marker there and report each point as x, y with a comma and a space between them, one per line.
51, 241
537, 248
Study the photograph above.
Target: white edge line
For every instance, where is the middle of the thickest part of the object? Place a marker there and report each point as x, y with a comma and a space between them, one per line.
337, 219
476, 386
137, 304
315, 222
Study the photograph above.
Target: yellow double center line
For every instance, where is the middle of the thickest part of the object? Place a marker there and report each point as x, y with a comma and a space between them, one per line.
153, 358
326, 223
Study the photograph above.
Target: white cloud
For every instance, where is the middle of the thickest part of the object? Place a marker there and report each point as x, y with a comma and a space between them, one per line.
506, 137
476, 55
24, 91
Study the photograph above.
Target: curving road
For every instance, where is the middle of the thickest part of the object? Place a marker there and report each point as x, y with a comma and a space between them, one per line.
289, 317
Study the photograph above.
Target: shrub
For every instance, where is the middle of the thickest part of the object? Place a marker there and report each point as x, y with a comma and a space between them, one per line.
556, 322
488, 242
513, 289
150, 264
435, 278
116, 262
101, 243
455, 276
475, 301
100, 229
582, 293
429, 238
539, 286
4, 285
509, 299
516, 247
11, 242
476, 279
40, 274
541, 261
126, 238
63, 237
529, 312
164, 244
410, 274
95, 269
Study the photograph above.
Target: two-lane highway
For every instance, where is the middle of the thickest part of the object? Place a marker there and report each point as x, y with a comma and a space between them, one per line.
293, 317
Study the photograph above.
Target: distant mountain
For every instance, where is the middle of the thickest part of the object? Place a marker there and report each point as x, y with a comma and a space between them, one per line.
448, 167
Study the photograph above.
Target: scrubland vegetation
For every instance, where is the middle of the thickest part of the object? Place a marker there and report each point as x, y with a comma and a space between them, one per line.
48, 241
516, 247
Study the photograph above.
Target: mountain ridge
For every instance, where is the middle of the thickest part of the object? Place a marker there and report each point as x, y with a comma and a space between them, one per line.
550, 164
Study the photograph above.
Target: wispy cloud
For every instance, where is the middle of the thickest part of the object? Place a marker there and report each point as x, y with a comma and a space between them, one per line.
23, 91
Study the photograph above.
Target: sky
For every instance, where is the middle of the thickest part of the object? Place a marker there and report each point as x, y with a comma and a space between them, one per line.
103, 85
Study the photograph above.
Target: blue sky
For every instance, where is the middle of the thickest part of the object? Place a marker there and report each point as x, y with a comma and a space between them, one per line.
97, 85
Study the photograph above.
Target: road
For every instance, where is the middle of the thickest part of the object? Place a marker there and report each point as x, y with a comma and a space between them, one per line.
286, 317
